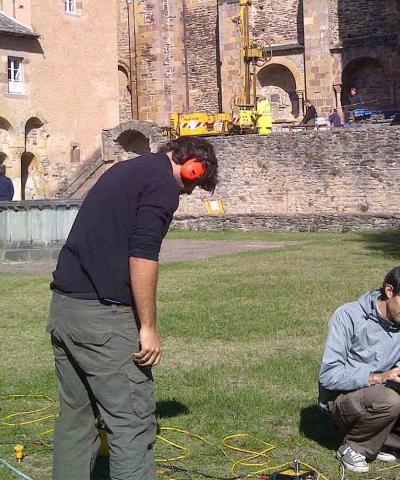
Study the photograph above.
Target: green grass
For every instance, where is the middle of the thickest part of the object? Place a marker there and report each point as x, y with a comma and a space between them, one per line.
243, 336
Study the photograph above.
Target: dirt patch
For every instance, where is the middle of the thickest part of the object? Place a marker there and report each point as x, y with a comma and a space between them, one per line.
171, 251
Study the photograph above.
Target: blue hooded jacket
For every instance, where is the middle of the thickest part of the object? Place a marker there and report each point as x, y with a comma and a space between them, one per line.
359, 342
6, 189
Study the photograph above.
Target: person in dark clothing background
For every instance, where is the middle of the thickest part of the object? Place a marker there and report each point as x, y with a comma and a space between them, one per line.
6, 186
355, 99
311, 114
334, 118
354, 102
102, 317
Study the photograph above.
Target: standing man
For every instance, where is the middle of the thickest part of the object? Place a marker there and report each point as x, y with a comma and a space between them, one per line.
362, 353
6, 186
264, 120
102, 317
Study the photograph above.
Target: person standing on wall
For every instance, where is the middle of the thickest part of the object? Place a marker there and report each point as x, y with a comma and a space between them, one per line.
264, 120
102, 317
6, 186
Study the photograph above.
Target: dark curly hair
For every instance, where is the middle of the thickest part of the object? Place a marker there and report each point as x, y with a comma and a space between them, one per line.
185, 148
392, 278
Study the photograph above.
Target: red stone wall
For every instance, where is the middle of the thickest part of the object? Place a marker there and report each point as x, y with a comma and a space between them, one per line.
281, 21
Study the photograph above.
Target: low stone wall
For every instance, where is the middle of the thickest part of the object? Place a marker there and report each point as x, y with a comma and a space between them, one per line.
341, 171
287, 223
35, 230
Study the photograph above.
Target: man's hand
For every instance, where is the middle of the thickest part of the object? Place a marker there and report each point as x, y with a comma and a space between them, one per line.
144, 275
150, 353
379, 378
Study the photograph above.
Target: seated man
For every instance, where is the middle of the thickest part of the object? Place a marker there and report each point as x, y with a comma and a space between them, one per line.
361, 353
311, 114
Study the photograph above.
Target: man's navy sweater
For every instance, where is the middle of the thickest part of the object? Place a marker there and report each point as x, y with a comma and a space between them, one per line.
126, 214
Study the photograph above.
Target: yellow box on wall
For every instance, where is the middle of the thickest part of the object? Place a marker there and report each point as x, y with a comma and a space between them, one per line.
214, 207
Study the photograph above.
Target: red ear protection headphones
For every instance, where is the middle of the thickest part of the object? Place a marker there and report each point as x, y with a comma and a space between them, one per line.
193, 169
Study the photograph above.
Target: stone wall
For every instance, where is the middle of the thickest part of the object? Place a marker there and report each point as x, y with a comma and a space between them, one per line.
124, 63
287, 223
187, 54
201, 28
360, 18
343, 171
281, 22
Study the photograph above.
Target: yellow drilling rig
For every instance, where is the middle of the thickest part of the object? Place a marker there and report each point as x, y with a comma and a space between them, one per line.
244, 114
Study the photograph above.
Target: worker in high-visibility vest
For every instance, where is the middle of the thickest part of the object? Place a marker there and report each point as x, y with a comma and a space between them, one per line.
264, 121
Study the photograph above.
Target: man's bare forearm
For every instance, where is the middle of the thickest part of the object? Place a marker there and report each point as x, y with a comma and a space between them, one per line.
144, 275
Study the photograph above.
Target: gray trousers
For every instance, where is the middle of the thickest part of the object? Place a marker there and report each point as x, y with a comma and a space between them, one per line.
93, 347
370, 418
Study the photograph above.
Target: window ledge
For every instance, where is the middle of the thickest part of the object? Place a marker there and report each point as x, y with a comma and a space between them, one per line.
15, 95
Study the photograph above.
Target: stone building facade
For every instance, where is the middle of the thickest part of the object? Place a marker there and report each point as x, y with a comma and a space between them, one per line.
71, 71
184, 55
58, 88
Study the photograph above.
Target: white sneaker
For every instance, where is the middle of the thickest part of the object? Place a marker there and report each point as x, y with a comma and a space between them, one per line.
386, 457
352, 460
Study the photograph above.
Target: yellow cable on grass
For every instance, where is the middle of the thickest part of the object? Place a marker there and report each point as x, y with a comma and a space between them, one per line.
30, 412
253, 458
254, 454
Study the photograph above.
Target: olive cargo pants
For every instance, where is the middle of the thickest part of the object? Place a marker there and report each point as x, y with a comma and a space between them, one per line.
93, 346
370, 419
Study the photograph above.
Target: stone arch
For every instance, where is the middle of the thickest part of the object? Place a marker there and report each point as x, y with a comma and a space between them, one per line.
282, 86
31, 177
290, 65
370, 77
32, 125
130, 139
26, 162
5, 125
134, 143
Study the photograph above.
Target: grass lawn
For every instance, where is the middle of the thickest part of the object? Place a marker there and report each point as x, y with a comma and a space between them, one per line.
242, 335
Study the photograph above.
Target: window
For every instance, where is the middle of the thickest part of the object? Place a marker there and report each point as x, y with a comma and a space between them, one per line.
70, 6
15, 80
75, 154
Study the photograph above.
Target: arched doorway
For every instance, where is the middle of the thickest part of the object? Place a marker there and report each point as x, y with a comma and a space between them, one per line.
281, 86
370, 78
33, 133
134, 143
27, 176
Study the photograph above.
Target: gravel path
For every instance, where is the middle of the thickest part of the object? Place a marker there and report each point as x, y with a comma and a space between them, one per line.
172, 251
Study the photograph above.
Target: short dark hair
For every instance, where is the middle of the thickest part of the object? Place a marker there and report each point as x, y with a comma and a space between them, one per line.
2, 169
185, 148
392, 278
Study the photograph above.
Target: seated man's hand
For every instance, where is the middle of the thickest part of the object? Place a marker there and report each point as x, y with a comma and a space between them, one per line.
379, 378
